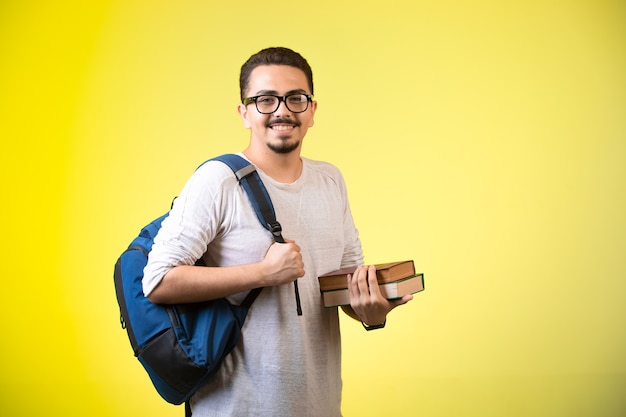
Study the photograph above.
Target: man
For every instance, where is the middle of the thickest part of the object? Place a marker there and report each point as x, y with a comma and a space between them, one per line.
285, 364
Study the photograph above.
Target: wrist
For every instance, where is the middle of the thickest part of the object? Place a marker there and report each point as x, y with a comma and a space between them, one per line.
259, 274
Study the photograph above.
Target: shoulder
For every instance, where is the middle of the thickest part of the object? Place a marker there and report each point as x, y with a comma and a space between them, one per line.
324, 175
323, 168
212, 173
214, 167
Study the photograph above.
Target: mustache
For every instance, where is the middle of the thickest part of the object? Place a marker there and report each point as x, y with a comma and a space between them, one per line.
295, 123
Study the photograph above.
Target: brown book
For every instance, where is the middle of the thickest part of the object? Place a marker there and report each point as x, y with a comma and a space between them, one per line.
386, 272
389, 290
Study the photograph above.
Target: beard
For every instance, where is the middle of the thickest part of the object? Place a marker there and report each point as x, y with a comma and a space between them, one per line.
285, 146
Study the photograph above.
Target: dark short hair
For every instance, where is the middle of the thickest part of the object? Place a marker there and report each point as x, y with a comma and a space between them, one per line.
273, 56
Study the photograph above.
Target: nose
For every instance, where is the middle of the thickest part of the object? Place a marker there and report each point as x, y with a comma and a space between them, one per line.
282, 104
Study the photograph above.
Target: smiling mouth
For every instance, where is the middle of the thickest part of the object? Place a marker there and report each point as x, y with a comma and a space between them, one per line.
281, 128
282, 125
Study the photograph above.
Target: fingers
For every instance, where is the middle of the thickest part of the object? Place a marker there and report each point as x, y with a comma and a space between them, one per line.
357, 284
292, 243
283, 263
363, 287
363, 284
372, 281
366, 298
361, 281
296, 258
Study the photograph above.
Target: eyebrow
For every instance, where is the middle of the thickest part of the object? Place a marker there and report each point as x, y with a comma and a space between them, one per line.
275, 93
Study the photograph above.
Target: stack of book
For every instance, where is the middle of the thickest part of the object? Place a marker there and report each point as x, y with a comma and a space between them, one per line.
395, 280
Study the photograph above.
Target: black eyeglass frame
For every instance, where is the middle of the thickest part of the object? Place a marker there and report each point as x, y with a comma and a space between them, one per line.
253, 99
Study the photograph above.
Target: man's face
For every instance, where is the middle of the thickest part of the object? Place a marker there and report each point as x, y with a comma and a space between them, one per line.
283, 130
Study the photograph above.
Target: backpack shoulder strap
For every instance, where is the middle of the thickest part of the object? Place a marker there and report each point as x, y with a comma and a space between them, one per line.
249, 179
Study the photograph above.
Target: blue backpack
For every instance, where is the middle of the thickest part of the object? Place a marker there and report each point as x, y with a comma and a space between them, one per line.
181, 346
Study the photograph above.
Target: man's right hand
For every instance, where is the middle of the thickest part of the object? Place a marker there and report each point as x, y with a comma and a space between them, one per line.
282, 264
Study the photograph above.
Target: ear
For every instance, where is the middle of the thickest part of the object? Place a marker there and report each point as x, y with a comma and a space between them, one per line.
243, 113
313, 108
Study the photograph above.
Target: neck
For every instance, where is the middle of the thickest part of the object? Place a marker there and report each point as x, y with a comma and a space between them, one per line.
285, 168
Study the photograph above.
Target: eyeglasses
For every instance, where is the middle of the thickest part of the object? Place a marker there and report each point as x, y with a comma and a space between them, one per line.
269, 103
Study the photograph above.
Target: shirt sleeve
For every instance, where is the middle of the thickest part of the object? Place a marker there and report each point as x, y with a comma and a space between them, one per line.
353, 253
191, 225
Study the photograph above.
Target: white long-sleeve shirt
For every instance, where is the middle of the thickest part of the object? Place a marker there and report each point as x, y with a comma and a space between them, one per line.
285, 364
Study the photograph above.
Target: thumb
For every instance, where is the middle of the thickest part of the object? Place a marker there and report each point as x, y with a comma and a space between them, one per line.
401, 301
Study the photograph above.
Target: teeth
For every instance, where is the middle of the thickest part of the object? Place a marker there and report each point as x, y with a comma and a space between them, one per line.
281, 127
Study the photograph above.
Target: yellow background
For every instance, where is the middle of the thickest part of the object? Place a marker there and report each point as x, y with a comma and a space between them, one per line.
484, 139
